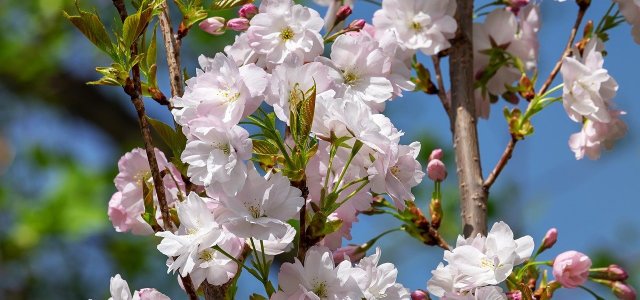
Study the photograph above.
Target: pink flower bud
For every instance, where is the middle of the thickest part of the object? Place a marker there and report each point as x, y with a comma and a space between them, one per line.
550, 238
419, 295
352, 252
343, 13
623, 291
612, 272
247, 11
515, 5
436, 154
514, 295
571, 268
436, 170
213, 25
356, 25
238, 24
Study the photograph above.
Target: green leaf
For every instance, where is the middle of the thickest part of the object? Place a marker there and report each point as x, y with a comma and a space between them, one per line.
134, 25
307, 109
262, 147
151, 55
257, 297
174, 139
91, 26
226, 4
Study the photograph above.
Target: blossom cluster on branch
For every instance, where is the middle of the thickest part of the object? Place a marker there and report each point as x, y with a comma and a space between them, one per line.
281, 144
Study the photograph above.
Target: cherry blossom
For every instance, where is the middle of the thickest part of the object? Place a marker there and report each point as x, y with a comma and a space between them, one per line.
283, 28
588, 87
360, 69
379, 281
119, 289
318, 278
215, 156
189, 247
596, 136
396, 173
220, 91
630, 9
127, 205
571, 268
419, 25
262, 207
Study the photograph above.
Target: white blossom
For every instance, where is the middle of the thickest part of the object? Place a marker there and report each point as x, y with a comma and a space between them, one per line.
378, 281
283, 28
588, 88
418, 24
262, 207
215, 157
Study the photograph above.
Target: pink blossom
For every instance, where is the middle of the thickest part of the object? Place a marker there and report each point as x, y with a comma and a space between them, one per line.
630, 9
623, 291
436, 154
571, 268
419, 295
550, 238
213, 25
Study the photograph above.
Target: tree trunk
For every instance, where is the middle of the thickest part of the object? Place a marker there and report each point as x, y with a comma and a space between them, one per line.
473, 198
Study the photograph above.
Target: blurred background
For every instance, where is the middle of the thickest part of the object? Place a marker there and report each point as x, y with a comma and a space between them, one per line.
60, 140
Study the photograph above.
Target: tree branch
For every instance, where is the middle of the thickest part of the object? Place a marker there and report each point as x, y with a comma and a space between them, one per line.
473, 198
173, 51
508, 151
439, 81
134, 89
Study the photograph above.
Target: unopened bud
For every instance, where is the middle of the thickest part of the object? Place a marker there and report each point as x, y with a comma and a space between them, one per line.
514, 295
353, 253
238, 24
356, 25
436, 154
526, 88
515, 5
343, 13
550, 238
248, 11
612, 272
583, 4
623, 291
213, 25
588, 29
420, 295
436, 170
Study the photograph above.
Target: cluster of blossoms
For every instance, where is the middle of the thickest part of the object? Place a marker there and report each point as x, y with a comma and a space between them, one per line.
224, 207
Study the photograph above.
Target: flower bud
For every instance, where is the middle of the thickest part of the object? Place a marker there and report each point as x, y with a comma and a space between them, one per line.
515, 5
436, 170
571, 268
352, 252
356, 25
623, 291
549, 239
419, 295
238, 24
612, 272
343, 13
248, 11
436, 154
514, 295
213, 25
435, 209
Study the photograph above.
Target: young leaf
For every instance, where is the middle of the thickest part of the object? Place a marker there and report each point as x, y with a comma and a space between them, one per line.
91, 26
174, 139
134, 25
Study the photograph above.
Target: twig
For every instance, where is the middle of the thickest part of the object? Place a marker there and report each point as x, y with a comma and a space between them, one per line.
173, 51
303, 243
439, 81
508, 151
134, 89
506, 155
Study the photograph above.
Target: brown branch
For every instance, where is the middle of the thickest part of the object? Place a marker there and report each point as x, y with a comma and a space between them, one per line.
172, 48
508, 151
504, 159
133, 88
473, 198
439, 81
303, 242
567, 50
